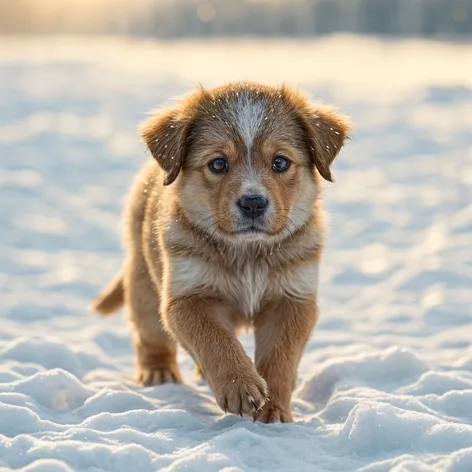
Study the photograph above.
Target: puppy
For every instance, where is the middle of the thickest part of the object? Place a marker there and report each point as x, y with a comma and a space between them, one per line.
224, 230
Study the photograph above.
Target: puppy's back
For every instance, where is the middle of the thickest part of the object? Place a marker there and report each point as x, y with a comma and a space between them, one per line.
145, 186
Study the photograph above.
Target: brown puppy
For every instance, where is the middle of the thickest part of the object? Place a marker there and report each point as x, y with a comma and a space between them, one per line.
224, 230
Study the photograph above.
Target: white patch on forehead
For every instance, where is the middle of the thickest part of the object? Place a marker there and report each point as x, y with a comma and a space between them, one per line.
248, 115
251, 183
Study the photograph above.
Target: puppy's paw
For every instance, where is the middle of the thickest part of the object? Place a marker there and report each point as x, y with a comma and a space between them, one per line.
272, 414
158, 376
241, 394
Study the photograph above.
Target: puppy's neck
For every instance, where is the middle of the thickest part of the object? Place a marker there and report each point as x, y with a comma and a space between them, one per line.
295, 246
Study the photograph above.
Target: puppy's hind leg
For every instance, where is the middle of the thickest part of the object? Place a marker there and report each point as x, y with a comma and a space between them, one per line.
156, 351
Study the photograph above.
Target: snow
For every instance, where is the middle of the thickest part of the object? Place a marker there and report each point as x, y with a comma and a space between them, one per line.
386, 381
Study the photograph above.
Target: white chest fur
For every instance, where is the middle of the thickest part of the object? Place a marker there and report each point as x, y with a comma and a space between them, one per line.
250, 286
246, 287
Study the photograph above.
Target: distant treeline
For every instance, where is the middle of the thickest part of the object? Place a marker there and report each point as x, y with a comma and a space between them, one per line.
197, 18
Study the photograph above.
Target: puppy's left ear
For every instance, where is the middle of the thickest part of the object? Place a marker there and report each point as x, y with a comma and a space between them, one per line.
165, 134
326, 133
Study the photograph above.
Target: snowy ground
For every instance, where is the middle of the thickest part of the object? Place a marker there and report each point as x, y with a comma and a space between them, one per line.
386, 382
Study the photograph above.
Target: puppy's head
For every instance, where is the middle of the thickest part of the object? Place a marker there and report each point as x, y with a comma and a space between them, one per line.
246, 157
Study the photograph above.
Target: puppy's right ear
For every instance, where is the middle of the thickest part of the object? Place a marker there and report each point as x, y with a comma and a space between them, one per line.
165, 134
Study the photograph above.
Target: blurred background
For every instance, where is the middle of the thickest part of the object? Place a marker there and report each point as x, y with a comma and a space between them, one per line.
210, 18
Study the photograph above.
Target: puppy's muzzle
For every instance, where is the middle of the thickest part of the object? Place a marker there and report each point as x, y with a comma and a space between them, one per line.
253, 206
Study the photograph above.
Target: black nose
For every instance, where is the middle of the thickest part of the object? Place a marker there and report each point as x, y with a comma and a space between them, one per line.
253, 205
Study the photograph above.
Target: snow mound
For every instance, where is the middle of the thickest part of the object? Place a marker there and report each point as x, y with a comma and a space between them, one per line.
387, 370
374, 428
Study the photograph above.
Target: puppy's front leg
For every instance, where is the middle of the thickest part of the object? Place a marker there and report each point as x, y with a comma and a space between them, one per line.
203, 329
281, 332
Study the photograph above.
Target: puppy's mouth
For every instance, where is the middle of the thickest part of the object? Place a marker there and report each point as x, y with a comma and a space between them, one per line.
251, 231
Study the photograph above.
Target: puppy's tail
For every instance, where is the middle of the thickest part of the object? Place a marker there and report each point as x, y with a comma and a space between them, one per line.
111, 298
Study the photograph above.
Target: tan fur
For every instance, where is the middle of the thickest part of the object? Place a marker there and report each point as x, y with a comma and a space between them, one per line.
111, 298
195, 273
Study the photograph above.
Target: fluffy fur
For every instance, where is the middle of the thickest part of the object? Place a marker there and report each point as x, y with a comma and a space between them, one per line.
197, 269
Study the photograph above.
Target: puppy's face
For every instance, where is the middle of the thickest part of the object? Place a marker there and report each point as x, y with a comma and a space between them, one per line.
249, 157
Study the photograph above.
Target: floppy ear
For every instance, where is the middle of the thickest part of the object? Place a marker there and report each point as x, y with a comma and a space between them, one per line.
326, 133
165, 134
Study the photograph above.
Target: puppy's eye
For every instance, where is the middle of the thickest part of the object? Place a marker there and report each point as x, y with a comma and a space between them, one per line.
280, 164
218, 165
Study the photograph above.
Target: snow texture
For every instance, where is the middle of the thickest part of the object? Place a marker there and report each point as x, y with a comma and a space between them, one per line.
386, 380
